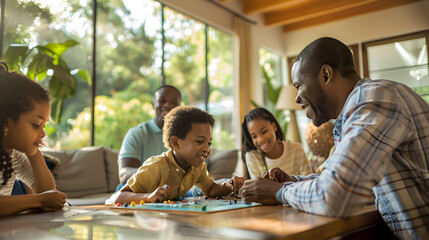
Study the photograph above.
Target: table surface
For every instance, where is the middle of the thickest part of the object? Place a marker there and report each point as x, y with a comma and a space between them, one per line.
259, 222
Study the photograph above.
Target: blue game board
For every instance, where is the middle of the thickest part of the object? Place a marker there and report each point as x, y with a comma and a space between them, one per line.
200, 206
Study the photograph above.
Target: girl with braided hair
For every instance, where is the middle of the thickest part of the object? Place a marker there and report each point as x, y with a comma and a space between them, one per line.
264, 147
24, 111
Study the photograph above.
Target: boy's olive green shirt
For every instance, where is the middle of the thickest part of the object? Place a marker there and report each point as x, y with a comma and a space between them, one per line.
163, 169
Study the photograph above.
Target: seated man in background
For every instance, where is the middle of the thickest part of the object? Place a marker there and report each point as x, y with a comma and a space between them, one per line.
145, 140
381, 152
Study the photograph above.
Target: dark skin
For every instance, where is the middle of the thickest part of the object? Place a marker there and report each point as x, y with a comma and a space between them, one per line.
322, 97
165, 99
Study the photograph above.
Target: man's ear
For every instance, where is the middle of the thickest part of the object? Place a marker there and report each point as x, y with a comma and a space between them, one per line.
175, 142
327, 72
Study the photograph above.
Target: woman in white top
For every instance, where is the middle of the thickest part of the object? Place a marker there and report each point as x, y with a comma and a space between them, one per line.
264, 146
24, 111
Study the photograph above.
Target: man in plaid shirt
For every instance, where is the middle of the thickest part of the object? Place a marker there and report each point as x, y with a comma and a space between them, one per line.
381, 145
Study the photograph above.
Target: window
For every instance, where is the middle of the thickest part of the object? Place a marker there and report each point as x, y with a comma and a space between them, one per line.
403, 59
40, 22
140, 45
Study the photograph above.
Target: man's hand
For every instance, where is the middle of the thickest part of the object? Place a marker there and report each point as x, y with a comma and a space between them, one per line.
235, 184
278, 175
260, 190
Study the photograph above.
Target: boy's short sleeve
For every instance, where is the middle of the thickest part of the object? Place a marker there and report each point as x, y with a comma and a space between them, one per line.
205, 181
146, 179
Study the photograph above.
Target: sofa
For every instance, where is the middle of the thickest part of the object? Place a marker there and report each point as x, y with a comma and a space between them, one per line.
89, 175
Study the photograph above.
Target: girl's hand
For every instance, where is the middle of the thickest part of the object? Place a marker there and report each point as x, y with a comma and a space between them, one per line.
160, 194
278, 175
36, 155
235, 183
52, 199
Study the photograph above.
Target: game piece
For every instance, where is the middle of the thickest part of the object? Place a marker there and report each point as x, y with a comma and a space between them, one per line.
133, 204
141, 202
217, 197
125, 205
165, 186
205, 197
118, 205
193, 205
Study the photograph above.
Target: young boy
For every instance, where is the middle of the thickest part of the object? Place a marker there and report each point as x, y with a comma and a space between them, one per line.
187, 133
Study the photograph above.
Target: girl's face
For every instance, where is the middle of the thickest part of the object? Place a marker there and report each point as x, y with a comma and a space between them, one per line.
195, 148
263, 134
26, 134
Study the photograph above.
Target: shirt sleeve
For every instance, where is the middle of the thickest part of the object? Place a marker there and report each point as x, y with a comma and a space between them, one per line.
371, 131
146, 180
254, 164
25, 171
305, 167
204, 181
131, 146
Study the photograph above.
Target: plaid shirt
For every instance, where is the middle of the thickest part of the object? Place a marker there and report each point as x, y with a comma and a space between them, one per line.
381, 154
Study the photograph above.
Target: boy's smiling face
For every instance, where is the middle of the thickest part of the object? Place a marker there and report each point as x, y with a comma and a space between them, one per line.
195, 148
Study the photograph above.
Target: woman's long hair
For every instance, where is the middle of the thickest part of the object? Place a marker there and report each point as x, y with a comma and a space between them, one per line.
247, 143
18, 94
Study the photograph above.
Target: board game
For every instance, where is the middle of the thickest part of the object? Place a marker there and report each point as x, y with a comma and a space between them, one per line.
196, 206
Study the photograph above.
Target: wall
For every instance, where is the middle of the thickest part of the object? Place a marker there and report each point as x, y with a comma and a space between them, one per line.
372, 26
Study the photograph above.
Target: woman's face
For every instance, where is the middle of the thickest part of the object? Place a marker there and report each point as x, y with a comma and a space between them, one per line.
27, 133
263, 134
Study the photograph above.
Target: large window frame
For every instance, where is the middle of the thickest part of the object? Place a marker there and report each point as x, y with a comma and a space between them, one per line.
389, 40
93, 63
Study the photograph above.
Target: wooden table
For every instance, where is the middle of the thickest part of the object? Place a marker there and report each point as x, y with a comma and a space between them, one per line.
260, 222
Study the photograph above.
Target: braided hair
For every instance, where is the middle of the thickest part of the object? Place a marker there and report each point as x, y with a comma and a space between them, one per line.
247, 143
18, 95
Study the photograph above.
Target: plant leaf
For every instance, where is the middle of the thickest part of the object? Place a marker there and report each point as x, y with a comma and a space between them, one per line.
62, 84
41, 62
84, 75
56, 110
60, 48
15, 55
271, 92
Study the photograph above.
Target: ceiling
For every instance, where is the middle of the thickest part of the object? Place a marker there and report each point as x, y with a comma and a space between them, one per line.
298, 14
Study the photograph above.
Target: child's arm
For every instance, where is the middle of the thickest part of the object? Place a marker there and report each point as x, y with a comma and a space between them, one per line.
52, 199
127, 195
225, 188
43, 180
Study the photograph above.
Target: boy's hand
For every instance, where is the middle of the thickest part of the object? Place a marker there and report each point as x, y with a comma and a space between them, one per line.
278, 175
160, 194
235, 184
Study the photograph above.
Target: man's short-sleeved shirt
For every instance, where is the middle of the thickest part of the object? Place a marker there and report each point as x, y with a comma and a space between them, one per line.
163, 169
142, 142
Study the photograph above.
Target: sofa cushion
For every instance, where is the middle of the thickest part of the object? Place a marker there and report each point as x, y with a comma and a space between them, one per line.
112, 171
221, 163
82, 171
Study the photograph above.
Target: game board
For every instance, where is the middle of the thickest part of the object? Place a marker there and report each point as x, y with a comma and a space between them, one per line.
198, 206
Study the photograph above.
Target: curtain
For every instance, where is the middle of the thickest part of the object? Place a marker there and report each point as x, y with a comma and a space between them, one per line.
243, 30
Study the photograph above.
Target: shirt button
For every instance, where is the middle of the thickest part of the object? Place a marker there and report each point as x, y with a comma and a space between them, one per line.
177, 170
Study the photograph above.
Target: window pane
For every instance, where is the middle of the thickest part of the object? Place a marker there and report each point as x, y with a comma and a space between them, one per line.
128, 67
220, 71
405, 62
271, 64
185, 56
42, 22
